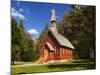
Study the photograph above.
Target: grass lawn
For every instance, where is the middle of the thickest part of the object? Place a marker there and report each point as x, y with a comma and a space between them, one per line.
56, 67
21, 63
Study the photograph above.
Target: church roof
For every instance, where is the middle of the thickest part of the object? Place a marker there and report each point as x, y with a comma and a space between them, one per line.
50, 46
61, 39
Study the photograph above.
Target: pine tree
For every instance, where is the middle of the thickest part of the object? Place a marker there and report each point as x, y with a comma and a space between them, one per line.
14, 41
79, 27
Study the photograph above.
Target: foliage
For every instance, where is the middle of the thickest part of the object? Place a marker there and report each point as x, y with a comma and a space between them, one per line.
14, 40
79, 27
23, 47
43, 32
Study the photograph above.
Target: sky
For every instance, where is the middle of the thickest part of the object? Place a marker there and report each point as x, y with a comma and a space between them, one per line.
36, 14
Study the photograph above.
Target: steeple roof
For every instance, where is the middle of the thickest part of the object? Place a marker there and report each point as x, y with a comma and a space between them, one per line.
53, 16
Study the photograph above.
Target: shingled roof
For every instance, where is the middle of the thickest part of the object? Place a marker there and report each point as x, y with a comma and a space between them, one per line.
61, 39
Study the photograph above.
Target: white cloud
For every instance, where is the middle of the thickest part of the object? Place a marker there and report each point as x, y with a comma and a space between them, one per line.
34, 33
13, 10
16, 13
21, 10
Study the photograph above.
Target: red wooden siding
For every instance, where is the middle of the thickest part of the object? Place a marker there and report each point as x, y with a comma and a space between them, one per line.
60, 53
66, 53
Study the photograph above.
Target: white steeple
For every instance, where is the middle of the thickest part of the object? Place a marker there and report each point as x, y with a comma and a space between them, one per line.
53, 18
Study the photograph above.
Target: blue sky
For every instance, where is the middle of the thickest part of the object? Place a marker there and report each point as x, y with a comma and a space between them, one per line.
36, 14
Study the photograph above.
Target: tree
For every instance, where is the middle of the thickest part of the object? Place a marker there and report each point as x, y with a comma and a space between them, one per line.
14, 40
79, 27
23, 46
43, 32
31, 53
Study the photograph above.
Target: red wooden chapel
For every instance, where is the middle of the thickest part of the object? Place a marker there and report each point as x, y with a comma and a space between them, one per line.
54, 46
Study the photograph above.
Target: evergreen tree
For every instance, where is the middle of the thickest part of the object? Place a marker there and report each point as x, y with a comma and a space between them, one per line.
14, 41
23, 46
79, 27
43, 32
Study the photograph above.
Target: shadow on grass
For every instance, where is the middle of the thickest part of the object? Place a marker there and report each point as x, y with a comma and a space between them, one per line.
60, 67
83, 61
73, 66
22, 73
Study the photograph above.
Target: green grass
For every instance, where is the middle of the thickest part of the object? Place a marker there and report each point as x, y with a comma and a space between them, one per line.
21, 63
56, 67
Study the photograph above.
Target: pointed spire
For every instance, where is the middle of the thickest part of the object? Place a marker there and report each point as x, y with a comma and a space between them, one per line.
53, 18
